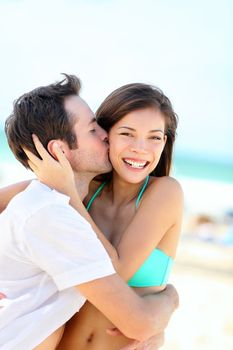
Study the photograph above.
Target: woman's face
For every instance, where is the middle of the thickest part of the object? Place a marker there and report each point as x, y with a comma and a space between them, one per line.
136, 143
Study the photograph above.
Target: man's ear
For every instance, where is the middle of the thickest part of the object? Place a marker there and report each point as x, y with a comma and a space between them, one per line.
61, 144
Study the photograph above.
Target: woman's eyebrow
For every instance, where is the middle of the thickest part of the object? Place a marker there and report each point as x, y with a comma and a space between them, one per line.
157, 130
126, 127
132, 129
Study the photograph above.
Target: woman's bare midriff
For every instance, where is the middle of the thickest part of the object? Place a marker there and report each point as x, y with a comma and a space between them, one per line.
87, 329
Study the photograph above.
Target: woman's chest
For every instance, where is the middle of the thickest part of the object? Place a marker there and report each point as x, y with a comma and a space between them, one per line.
112, 221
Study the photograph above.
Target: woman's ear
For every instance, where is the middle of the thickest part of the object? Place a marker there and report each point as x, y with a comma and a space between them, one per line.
52, 144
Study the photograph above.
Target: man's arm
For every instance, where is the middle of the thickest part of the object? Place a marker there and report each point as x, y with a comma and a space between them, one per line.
136, 317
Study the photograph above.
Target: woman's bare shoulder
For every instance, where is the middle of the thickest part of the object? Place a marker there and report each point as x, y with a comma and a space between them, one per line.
167, 184
94, 185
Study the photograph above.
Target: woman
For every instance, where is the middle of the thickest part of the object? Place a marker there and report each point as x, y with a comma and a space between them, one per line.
138, 206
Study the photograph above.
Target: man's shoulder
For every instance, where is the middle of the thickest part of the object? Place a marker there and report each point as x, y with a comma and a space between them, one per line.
35, 197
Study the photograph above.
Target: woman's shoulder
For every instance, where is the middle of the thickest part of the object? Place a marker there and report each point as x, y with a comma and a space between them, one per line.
167, 183
93, 187
163, 195
165, 187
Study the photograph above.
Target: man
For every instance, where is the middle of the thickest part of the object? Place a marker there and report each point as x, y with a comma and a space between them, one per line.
51, 260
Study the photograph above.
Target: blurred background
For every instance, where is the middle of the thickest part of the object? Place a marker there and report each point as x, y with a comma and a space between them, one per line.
183, 47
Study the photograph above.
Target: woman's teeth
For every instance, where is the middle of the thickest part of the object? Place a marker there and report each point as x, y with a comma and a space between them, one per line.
135, 164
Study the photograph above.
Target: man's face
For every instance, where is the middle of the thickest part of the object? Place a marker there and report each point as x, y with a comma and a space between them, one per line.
91, 154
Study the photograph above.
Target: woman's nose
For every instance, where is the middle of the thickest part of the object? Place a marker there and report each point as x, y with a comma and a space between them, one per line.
139, 146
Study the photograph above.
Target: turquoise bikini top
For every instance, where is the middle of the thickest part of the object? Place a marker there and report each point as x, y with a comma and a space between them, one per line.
156, 268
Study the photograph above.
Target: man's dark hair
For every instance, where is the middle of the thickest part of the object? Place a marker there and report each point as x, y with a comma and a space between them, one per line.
41, 112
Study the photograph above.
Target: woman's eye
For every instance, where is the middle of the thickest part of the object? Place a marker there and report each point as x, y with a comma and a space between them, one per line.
93, 130
156, 138
126, 134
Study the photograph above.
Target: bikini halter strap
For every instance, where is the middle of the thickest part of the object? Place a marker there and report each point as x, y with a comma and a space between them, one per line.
142, 191
95, 195
97, 192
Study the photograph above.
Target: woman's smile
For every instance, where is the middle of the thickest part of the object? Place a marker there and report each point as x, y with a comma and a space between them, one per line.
135, 163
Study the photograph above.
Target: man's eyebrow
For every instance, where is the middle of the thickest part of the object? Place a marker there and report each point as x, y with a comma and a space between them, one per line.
93, 120
132, 129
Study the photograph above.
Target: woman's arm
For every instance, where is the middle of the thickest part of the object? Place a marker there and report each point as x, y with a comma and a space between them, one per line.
158, 217
7, 193
157, 223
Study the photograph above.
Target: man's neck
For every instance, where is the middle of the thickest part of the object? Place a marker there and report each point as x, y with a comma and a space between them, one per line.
82, 183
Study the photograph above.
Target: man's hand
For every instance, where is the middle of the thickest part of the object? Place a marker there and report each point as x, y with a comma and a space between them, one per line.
153, 343
173, 294
156, 341
162, 305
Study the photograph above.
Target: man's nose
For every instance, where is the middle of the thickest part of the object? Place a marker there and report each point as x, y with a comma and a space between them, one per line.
103, 134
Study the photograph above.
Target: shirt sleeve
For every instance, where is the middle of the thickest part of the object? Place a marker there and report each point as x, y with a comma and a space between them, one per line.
63, 244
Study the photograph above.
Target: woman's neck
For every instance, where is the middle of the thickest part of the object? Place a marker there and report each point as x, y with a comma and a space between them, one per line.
123, 192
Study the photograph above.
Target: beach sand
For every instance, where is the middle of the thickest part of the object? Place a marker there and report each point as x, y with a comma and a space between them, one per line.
203, 275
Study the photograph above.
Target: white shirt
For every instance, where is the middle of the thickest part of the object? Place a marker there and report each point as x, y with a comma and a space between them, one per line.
46, 249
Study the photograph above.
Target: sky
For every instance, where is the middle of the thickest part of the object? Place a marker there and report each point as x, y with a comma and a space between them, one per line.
183, 47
